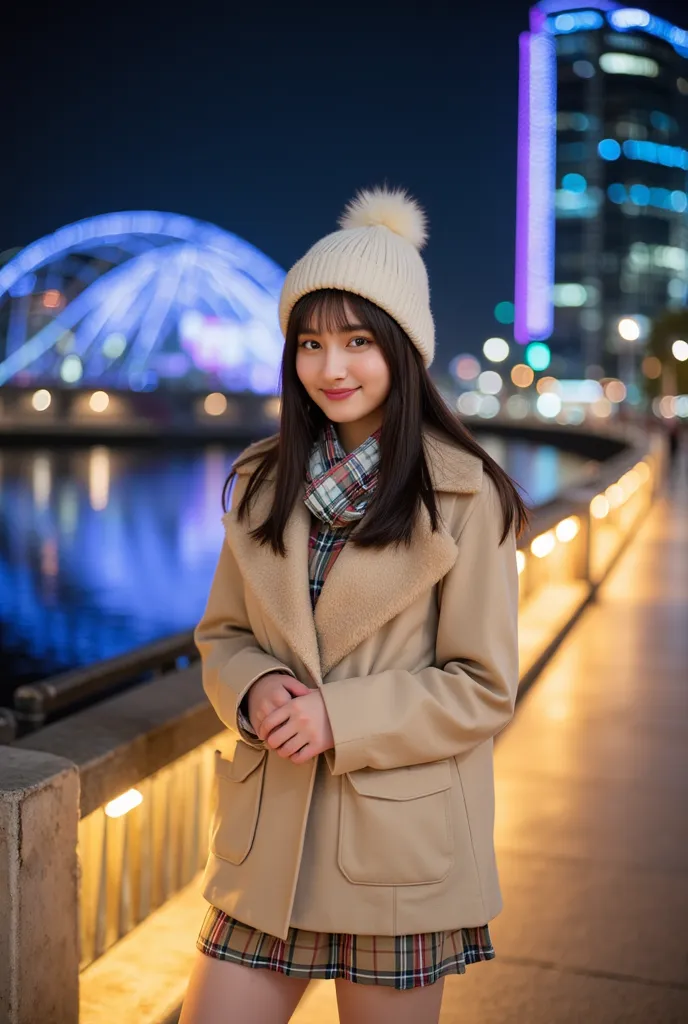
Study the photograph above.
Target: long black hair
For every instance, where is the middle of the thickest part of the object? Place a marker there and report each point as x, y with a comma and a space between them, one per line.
413, 403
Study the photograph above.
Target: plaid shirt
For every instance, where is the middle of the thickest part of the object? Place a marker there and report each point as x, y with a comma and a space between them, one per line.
338, 489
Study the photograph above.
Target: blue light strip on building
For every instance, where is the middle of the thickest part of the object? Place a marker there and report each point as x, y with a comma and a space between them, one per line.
586, 18
641, 195
649, 152
629, 19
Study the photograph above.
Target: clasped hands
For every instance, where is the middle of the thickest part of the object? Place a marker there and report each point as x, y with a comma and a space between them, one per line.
289, 717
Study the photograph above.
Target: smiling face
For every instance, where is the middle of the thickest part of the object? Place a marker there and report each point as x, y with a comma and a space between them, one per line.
342, 368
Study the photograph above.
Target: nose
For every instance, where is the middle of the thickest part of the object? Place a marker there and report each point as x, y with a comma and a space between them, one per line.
335, 366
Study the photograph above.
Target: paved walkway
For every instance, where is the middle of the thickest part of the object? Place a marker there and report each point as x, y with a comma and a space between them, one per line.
592, 828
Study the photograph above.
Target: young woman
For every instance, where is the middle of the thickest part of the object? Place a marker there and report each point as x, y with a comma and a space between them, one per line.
360, 639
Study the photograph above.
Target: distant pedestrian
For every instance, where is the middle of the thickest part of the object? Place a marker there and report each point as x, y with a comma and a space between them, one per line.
360, 640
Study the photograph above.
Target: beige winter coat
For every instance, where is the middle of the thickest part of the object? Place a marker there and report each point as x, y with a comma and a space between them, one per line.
415, 652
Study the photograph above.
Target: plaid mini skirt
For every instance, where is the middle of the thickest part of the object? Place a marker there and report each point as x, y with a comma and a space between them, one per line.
401, 961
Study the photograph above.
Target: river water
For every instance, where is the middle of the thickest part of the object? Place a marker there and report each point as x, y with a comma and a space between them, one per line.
104, 549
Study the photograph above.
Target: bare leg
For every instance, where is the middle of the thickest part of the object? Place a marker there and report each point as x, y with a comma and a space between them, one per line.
381, 1004
221, 992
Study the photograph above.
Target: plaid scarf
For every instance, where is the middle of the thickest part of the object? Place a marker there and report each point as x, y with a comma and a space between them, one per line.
338, 489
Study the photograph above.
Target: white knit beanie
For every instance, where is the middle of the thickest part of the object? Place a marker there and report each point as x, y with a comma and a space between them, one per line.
375, 255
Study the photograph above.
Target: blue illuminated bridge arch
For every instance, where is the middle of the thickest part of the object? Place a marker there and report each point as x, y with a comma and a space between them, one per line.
139, 299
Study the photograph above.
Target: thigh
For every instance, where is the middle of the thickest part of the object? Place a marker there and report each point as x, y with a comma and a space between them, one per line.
221, 992
382, 1004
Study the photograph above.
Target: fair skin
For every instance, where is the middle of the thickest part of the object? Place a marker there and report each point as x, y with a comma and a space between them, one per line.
291, 718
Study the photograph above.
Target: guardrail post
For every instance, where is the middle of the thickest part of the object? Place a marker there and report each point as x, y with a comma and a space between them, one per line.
39, 946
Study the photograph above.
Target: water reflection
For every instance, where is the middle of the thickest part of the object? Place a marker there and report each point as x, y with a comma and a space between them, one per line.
105, 549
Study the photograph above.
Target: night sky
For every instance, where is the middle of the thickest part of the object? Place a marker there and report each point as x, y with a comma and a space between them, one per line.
266, 120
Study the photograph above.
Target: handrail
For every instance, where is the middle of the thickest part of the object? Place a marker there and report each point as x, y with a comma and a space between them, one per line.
35, 703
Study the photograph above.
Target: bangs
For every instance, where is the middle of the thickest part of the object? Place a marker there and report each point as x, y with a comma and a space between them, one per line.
330, 310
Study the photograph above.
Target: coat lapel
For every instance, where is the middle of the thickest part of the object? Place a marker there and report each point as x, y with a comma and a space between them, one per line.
366, 587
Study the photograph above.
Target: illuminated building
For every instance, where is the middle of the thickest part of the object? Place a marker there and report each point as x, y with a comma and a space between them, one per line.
602, 227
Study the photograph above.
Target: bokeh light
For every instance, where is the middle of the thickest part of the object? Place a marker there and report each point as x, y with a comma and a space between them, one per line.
215, 404
490, 382
496, 350
52, 299
615, 496
504, 312
680, 350
41, 400
522, 376
99, 401
567, 529
667, 407
651, 367
489, 407
629, 329
114, 345
549, 405
542, 545
599, 507
548, 384
71, 370
517, 407
538, 355
469, 403
615, 391
466, 367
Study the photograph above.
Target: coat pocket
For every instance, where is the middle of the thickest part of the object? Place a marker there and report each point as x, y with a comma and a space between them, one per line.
395, 825
239, 787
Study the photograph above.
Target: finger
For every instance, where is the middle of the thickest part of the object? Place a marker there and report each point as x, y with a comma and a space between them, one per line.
276, 718
291, 745
295, 687
304, 754
279, 736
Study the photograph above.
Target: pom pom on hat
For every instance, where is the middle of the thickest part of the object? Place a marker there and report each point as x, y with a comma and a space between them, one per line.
384, 267
394, 209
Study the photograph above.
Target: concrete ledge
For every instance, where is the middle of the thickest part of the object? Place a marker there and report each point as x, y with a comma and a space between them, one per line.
120, 741
39, 799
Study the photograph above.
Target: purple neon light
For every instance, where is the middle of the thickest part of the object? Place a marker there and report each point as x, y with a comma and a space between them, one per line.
522, 192
534, 313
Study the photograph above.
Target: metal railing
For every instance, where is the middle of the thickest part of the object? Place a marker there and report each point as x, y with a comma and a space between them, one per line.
35, 704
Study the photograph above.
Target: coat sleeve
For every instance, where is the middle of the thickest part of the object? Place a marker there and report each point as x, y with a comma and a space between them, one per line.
232, 660
406, 718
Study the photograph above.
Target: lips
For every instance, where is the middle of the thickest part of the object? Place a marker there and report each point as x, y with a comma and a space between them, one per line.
337, 395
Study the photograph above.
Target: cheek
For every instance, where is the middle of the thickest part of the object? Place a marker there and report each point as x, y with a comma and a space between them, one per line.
376, 374
304, 370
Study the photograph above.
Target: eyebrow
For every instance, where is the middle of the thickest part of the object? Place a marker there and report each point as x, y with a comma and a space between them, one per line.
342, 330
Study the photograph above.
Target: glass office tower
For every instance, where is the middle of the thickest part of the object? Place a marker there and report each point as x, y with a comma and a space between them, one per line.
602, 231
